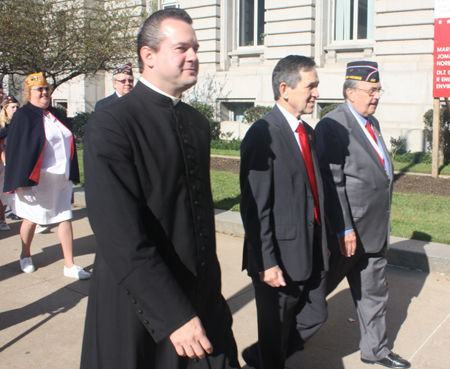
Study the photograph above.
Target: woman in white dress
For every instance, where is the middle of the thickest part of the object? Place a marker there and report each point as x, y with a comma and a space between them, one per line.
41, 165
10, 105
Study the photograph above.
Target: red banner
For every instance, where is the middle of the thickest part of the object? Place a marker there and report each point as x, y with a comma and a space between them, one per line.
441, 84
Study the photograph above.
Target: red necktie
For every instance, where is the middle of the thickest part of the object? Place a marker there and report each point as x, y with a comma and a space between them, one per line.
372, 133
306, 152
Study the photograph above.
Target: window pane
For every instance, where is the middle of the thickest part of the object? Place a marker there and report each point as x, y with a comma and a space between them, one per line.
246, 23
260, 22
343, 19
362, 19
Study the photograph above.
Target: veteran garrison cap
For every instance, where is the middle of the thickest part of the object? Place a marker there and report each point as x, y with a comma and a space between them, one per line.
9, 100
366, 71
124, 69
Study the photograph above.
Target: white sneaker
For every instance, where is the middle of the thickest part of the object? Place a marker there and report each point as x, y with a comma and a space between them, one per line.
27, 265
4, 226
76, 272
40, 229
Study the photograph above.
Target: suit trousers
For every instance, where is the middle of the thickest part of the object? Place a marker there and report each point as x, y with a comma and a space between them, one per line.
288, 316
366, 275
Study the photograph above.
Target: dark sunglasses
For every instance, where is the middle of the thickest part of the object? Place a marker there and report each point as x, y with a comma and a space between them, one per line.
41, 89
123, 81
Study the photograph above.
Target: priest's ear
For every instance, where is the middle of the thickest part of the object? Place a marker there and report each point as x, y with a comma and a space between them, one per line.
148, 56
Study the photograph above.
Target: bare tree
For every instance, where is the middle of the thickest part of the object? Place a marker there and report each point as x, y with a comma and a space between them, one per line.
66, 38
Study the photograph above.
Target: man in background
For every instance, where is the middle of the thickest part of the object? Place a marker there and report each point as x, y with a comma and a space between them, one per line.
123, 83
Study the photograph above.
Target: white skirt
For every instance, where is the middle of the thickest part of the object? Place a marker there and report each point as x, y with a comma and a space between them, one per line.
52, 205
6, 198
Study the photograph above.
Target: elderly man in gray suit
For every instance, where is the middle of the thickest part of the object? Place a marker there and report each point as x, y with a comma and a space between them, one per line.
357, 175
285, 250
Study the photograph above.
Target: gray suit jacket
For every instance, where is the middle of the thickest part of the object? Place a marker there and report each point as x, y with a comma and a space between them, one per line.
358, 191
277, 204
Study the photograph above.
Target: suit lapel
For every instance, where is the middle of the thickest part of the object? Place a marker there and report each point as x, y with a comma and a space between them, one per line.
360, 136
288, 137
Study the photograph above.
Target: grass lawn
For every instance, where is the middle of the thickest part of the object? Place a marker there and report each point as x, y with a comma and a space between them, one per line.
419, 168
80, 165
420, 217
226, 152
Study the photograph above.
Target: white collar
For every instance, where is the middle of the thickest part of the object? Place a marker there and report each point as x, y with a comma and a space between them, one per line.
175, 100
293, 121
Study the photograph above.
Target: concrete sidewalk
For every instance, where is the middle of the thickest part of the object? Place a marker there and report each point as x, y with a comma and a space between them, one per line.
42, 314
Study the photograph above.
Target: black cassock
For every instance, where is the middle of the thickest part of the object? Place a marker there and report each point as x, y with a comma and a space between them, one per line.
149, 203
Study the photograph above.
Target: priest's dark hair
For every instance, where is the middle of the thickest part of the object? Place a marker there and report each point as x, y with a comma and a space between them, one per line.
150, 33
288, 70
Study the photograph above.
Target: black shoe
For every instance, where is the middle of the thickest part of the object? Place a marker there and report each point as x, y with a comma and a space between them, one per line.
250, 357
15, 217
390, 361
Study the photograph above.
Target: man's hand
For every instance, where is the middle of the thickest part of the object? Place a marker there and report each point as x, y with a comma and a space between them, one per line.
348, 244
190, 340
273, 277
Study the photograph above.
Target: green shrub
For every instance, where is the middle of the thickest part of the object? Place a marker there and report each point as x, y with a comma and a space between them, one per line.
444, 134
397, 146
79, 124
208, 111
414, 157
327, 109
254, 113
226, 145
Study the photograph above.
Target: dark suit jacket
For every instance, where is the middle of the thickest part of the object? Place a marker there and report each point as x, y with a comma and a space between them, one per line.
357, 189
106, 101
150, 206
277, 205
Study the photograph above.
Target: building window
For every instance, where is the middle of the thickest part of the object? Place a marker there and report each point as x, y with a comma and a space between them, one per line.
251, 22
61, 104
234, 111
166, 4
354, 19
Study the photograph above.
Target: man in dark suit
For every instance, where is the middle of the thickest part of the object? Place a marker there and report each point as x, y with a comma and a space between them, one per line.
285, 251
122, 82
155, 298
358, 176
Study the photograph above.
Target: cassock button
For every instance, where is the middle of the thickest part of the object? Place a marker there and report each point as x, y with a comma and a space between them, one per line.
201, 234
193, 187
185, 141
181, 127
310, 224
146, 323
189, 156
198, 218
203, 248
152, 331
203, 264
195, 202
191, 172
127, 292
195, 360
310, 197
134, 301
140, 312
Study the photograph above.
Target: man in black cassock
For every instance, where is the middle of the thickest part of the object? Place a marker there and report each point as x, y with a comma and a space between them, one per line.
155, 296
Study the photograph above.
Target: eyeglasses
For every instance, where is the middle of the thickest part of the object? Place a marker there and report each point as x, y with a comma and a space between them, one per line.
372, 92
41, 89
123, 81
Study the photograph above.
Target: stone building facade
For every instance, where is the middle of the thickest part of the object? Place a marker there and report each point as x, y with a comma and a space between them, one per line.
242, 40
